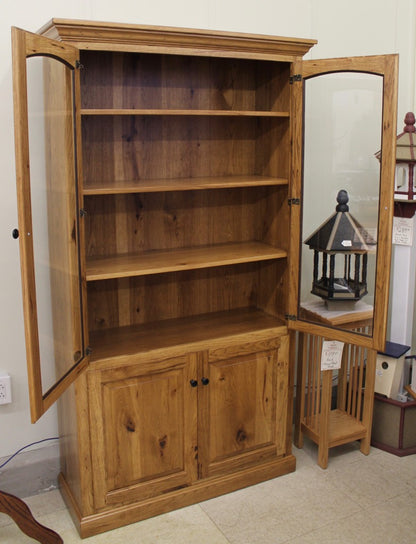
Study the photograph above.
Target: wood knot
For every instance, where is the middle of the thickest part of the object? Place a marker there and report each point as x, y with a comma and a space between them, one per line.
162, 444
130, 426
241, 435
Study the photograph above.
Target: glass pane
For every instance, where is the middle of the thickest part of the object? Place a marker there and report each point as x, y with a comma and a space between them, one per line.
54, 216
341, 181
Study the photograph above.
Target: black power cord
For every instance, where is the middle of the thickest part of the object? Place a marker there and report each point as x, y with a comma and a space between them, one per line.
24, 447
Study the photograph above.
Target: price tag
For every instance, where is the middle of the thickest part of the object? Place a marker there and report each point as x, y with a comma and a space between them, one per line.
331, 354
403, 231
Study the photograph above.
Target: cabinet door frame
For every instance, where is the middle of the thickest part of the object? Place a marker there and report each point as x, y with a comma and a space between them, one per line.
143, 369
275, 392
24, 46
387, 67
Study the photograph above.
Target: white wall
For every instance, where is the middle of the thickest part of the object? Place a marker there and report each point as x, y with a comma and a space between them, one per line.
349, 28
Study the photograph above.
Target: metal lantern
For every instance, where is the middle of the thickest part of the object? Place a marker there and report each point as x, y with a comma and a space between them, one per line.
404, 183
340, 238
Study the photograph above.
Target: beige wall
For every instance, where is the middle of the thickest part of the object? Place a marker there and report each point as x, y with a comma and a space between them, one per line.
342, 29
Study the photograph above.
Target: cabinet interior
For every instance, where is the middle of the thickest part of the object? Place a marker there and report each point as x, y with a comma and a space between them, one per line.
185, 183
147, 80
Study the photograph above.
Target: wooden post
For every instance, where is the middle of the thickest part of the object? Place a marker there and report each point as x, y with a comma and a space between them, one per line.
323, 445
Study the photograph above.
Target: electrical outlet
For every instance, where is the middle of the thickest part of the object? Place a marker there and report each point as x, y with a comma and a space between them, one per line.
5, 389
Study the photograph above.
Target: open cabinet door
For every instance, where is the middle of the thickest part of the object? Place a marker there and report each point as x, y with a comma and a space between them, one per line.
343, 171
45, 86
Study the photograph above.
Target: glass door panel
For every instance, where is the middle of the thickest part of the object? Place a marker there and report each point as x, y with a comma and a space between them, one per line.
343, 162
45, 81
54, 216
343, 127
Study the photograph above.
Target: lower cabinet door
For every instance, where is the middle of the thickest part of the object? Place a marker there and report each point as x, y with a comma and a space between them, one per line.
143, 422
243, 406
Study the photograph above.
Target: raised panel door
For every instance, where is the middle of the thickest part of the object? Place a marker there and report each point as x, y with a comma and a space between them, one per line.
144, 430
243, 406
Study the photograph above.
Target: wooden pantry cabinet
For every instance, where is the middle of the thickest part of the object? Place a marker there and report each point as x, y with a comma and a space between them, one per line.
160, 193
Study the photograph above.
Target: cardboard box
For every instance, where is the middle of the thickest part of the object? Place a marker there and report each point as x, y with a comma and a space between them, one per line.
394, 426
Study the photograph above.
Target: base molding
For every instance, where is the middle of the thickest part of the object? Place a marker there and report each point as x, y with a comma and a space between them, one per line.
400, 452
202, 490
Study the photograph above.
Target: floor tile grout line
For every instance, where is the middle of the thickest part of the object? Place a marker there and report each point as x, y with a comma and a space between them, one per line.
213, 522
320, 527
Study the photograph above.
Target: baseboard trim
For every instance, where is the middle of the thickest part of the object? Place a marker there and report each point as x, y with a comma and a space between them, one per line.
203, 490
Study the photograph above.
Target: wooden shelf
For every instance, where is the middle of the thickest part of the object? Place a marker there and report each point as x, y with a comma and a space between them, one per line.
158, 262
342, 428
199, 331
182, 112
181, 184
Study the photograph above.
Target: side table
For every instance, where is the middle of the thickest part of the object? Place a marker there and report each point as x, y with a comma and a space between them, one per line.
352, 418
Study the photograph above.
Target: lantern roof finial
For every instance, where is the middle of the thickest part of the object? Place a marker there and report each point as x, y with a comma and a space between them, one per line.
409, 122
342, 199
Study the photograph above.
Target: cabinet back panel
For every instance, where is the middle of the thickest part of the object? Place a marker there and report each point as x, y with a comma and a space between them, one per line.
146, 299
272, 143
133, 80
131, 223
123, 148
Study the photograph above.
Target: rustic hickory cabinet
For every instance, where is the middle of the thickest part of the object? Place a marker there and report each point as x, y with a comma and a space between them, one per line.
160, 183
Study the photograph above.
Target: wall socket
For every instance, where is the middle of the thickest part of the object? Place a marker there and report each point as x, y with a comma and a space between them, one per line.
5, 389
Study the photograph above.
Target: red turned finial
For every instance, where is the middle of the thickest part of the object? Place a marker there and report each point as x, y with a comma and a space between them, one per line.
410, 122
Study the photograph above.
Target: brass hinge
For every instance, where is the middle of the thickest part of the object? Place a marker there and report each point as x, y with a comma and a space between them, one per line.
295, 77
293, 201
290, 317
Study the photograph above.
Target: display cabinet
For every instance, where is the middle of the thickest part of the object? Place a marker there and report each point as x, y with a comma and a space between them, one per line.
159, 175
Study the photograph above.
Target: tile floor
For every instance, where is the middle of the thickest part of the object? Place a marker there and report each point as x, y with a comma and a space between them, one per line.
357, 499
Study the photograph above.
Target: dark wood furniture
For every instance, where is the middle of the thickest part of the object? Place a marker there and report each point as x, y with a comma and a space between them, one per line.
23, 517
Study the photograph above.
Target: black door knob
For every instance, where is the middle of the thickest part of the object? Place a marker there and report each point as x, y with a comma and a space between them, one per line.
205, 381
193, 383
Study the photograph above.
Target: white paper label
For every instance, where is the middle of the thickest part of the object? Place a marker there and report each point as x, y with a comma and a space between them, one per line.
346, 243
403, 231
331, 354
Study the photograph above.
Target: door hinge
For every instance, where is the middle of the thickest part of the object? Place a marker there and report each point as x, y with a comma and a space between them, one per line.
295, 77
82, 212
293, 201
290, 317
79, 65
88, 350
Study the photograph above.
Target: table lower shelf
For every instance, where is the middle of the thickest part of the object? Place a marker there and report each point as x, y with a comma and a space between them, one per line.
342, 428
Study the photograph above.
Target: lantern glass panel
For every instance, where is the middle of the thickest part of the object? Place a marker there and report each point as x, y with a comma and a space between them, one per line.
402, 178
342, 133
